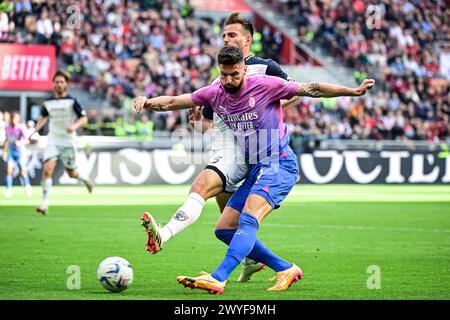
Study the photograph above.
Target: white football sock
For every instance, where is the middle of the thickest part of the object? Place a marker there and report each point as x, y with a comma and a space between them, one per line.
186, 215
83, 177
46, 185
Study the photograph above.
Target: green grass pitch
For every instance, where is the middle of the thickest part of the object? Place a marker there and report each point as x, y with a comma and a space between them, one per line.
335, 233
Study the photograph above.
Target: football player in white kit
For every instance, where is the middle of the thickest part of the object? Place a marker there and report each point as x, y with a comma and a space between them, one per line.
227, 167
65, 116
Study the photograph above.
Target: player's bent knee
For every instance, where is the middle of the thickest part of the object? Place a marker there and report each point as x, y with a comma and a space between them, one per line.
229, 219
257, 206
48, 172
227, 225
207, 184
222, 200
49, 166
72, 173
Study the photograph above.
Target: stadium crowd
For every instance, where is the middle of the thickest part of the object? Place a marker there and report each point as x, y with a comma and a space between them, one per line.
118, 49
403, 44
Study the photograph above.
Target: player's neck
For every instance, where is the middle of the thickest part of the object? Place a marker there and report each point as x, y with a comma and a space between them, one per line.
244, 84
61, 95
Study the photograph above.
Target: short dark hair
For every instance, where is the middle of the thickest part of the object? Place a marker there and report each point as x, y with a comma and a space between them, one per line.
61, 73
235, 17
230, 55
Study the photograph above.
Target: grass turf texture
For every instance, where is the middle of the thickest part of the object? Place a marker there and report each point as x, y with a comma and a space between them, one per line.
333, 232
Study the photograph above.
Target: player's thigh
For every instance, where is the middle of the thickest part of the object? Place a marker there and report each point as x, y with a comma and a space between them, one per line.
257, 206
238, 199
229, 219
222, 200
228, 161
274, 182
68, 158
22, 164
51, 153
231, 174
10, 164
207, 184
49, 167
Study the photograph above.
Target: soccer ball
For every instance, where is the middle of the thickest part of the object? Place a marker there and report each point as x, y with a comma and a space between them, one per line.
115, 274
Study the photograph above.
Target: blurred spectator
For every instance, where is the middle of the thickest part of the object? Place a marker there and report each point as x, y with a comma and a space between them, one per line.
119, 127
118, 49
130, 127
144, 128
406, 51
3, 124
108, 123
91, 128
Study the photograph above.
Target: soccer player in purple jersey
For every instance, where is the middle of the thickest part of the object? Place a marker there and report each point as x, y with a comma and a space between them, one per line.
13, 155
251, 107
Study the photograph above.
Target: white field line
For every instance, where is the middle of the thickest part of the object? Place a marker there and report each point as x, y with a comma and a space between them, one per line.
352, 228
178, 200
288, 225
168, 195
355, 228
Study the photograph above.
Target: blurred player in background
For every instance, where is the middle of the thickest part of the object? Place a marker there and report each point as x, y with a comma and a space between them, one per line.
2, 128
14, 154
65, 116
226, 168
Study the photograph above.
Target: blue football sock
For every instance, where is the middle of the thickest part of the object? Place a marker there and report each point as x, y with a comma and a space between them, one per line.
259, 252
25, 180
242, 243
9, 182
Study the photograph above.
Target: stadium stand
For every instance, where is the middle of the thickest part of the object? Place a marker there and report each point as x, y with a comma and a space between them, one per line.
121, 49
406, 50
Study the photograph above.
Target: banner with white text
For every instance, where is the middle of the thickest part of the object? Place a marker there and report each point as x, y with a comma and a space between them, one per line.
131, 166
27, 67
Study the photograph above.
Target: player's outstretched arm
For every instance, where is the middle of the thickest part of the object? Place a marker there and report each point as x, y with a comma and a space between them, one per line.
78, 124
164, 103
328, 90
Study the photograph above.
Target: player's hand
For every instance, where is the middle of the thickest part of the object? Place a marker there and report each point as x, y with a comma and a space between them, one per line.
195, 115
364, 86
70, 129
139, 103
4, 156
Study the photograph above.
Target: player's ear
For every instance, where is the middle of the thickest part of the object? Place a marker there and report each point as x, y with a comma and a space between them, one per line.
249, 40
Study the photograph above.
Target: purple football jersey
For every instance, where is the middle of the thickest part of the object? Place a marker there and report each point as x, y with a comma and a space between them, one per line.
14, 135
254, 113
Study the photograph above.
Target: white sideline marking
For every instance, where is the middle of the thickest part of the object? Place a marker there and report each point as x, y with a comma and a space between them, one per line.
362, 228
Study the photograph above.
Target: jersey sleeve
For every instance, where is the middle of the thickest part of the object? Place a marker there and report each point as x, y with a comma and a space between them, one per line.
44, 112
274, 69
202, 96
78, 109
280, 89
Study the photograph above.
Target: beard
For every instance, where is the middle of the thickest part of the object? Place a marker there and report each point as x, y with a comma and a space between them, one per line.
234, 89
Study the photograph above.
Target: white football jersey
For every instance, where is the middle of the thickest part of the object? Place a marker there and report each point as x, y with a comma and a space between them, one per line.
62, 114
